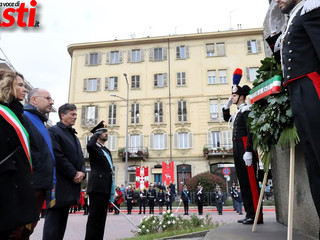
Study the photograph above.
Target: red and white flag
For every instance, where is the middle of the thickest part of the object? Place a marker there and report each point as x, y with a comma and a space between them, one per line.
167, 172
142, 178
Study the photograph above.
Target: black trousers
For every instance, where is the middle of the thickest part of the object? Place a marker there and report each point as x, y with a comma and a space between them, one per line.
151, 206
305, 105
142, 204
250, 198
55, 223
186, 206
219, 206
97, 215
129, 205
200, 207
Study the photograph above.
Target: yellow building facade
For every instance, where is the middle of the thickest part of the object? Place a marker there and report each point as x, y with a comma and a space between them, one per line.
177, 87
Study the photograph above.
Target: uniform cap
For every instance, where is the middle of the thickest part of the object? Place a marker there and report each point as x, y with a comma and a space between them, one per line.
101, 126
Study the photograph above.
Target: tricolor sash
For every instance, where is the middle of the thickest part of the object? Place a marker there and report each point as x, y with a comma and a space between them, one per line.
22, 133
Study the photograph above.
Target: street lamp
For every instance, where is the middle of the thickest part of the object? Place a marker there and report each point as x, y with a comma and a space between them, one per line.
127, 139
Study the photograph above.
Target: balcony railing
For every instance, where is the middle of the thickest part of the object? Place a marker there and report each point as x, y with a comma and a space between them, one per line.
134, 153
215, 149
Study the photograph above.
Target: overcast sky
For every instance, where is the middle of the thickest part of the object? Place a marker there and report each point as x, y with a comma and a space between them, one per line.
41, 53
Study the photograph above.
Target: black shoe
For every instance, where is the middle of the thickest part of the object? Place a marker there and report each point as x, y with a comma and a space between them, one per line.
240, 213
242, 220
248, 221
139, 213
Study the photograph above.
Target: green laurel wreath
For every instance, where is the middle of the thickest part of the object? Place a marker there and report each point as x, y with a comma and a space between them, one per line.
270, 119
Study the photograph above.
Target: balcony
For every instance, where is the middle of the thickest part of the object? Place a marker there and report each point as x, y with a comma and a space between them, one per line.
217, 150
134, 153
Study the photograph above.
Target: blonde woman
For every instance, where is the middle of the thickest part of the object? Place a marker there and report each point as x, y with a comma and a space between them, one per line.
17, 197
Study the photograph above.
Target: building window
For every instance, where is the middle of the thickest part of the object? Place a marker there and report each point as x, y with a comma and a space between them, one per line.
111, 83
136, 55
222, 140
182, 52
182, 111
160, 80
214, 139
158, 141
181, 79
221, 49
114, 57
214, 112
135, 142
112, 117
254, 46
91, 84
212, 77
251, 73
93, 59
135, 82
111, 143
210, 50
158, 112
226, 139
158, 54
183, 140
135, 113
222, 76
89, 115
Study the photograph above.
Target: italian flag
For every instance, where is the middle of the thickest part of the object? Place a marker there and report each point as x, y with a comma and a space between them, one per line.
272, 86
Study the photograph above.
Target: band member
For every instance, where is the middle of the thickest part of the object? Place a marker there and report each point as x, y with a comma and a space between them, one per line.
142, 199
200, 198
129, 198
161, 200
245, 159
185, 197
219, 201
151, 197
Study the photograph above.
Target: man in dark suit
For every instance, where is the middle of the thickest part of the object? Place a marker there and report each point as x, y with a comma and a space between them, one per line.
70, 171
101, 187
200, 198
300, 59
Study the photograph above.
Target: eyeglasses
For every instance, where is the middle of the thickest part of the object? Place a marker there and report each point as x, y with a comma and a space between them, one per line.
48, 98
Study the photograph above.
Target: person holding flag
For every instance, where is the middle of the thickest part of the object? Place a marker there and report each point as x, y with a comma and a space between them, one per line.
101, 185
245, 158
185, 197
17, 197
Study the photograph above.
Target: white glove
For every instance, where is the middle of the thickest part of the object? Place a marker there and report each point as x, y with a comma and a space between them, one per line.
180, 200
229, 103
276, 19
247, 157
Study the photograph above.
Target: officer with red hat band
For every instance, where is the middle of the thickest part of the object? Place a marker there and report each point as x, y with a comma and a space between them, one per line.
245, 159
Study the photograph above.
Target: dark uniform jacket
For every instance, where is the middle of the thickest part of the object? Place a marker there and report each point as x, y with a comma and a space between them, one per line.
199, 195
240, 127
69, 160
161, 198
300, 56
185, 195
42, 160
17, 197
129, 195
100, 179
143, 195
152, 194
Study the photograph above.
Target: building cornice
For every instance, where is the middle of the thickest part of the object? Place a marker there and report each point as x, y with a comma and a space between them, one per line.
171, 38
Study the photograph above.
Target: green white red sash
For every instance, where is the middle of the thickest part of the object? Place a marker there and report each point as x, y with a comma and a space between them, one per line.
23, 135
269, 87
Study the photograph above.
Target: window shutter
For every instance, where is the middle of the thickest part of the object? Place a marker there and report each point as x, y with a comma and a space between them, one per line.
165, 140
259, 48
86, 61
112, 141
178, 52
129, 52
85, 84
155, 82
142, 55
190, 138
116, 83
247, 74
151, 141
107, 57
99, 58
220, 49
151, 54
96, 112
141, 143
83, 115
209, 138
106, 83
98, 84
165, 79
249, 46
120, 56
187, 52
175, 140
164, 53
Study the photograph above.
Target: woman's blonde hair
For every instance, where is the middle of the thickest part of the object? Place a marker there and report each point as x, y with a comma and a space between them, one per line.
7, 78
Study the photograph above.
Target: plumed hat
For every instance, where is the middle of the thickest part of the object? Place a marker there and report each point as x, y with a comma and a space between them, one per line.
236, 89
101, 126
